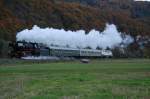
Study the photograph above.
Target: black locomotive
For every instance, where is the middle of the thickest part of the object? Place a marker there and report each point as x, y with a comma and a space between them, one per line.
22, 48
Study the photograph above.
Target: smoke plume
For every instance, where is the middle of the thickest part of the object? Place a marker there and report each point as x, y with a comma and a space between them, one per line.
110, 37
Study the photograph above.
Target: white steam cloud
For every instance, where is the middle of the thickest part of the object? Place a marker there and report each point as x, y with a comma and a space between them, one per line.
110, 37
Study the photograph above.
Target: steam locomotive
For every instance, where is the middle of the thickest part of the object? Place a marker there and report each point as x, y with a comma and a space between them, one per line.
24, 49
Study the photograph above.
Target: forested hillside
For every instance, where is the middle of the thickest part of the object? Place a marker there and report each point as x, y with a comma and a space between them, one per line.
129, 16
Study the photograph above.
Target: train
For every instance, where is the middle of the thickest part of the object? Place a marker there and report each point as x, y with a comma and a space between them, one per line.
24, 49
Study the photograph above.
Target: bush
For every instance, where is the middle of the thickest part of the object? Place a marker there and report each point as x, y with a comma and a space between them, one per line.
4, 48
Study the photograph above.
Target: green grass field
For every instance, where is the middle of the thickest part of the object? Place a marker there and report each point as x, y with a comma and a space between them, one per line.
100, 79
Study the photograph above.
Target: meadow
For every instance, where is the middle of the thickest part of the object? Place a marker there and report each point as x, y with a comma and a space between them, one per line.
100, 79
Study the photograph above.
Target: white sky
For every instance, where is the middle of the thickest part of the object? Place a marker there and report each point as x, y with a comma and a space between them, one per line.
142, 0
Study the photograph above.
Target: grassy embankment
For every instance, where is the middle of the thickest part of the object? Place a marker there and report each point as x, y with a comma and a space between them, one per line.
100, 79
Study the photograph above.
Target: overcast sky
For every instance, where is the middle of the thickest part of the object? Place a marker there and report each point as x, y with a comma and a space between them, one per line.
142, 0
